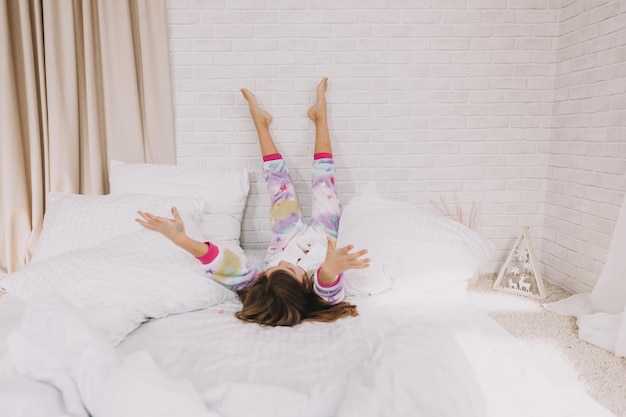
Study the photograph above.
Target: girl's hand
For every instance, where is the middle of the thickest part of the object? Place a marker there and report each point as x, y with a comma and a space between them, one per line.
173, 229
340, 260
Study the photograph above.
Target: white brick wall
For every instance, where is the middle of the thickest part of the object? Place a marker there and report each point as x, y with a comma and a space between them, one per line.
587, 155
429, 99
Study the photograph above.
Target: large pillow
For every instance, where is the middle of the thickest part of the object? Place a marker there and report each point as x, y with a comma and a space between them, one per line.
75, 221
122, 282
409, 249
224, 192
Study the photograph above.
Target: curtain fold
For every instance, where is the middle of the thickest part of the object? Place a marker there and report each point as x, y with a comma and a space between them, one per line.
156, 128
82, 82
601, 314
22, 129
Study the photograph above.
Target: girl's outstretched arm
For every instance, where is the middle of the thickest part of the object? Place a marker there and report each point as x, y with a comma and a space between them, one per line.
174, 230
339, 260
225, 265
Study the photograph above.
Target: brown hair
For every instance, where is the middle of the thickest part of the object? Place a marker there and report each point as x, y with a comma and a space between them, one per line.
278, 299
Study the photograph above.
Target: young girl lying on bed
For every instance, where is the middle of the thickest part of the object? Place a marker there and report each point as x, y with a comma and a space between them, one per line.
302, 272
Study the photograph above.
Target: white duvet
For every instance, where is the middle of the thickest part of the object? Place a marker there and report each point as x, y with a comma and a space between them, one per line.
395, 359
406, 354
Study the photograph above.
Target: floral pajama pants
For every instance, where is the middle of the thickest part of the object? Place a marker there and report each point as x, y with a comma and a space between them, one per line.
286, 220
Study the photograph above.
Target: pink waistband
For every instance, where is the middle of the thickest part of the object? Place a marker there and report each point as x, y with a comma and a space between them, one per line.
272, 157
322, 155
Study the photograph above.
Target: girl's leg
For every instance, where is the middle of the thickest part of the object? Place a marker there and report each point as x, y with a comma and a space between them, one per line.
285, 217
326, 208
262, 120
317, 113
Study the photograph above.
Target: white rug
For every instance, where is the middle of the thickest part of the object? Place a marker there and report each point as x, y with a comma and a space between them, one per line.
554, 338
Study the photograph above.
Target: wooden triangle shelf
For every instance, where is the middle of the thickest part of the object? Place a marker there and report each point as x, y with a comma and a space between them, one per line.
519, 274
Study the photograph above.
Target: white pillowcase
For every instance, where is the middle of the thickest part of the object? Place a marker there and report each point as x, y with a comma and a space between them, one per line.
224, 192
75, 221
122, 282
409, 249
428, 270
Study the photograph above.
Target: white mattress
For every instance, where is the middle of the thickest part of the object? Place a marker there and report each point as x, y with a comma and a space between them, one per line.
431, 359
11, 310
405, 355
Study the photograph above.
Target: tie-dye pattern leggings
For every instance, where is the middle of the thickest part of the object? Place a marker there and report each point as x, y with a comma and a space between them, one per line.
286, 220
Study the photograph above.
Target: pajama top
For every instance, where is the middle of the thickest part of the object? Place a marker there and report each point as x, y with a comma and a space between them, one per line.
293, 240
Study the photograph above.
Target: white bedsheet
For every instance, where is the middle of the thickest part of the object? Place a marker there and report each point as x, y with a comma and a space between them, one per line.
395, 359
55, 346
433, 359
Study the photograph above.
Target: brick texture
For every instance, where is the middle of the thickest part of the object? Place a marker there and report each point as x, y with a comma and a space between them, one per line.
517, 108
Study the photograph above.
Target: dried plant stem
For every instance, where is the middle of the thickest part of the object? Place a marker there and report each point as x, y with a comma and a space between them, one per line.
457, 215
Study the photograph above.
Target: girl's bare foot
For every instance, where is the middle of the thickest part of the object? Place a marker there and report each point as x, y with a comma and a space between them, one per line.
258, 114
319, 108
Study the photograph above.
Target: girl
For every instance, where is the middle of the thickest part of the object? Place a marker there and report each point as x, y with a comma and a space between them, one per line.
302, 272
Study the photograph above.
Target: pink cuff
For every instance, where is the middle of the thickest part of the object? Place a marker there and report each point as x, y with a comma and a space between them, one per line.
272, 157
322, 155
210, 255
323, 285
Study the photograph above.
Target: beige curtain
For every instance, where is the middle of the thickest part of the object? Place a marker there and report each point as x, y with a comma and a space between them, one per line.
82, 82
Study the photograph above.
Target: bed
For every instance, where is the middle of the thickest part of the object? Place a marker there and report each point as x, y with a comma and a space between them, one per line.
112, 320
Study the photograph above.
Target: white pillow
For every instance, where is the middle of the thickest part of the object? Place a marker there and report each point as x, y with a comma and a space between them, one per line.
224, 192
428, 270
75, 221
122, 282
407, 246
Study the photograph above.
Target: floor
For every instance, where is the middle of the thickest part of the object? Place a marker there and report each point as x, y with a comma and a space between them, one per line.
554, 339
